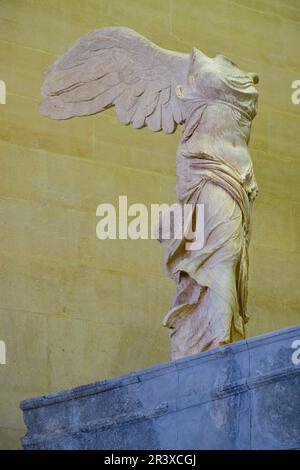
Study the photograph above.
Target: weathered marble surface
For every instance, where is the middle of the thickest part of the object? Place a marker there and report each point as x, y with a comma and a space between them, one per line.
214, 102
239, 396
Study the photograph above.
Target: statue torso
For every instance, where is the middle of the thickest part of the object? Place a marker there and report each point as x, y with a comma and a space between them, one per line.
218, 124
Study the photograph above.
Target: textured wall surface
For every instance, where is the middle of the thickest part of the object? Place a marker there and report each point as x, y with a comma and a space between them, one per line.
74, 309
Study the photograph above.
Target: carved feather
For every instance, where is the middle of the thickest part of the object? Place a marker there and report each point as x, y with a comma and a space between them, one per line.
117, 66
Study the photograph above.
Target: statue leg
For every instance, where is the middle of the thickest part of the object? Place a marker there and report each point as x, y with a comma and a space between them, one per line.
206, 312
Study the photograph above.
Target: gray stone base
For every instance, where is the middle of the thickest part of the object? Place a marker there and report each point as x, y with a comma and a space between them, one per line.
244, 395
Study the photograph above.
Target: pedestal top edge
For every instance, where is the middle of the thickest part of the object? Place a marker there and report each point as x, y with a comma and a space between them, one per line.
159, 369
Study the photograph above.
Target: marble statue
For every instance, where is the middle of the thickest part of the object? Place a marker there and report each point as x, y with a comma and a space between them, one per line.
214, 102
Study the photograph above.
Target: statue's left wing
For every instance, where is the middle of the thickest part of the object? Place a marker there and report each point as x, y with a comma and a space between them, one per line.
117, 67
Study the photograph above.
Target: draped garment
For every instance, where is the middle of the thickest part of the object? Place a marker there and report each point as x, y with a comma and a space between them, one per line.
210, 304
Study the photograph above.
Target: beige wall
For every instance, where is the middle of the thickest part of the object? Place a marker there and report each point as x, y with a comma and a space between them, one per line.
74, 309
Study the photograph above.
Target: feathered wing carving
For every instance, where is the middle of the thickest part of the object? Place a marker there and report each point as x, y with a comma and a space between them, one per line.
117, 67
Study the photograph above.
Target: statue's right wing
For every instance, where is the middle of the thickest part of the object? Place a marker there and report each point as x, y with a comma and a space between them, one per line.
117, 67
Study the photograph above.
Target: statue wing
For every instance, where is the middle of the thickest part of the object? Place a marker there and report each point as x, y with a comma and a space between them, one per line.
117, 67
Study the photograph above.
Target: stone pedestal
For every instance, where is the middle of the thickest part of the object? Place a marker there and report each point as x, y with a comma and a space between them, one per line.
241, 396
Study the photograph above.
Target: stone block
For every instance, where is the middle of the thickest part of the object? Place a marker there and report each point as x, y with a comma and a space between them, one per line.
240, 396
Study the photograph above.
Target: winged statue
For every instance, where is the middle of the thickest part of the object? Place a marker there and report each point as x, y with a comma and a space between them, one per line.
214, 103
